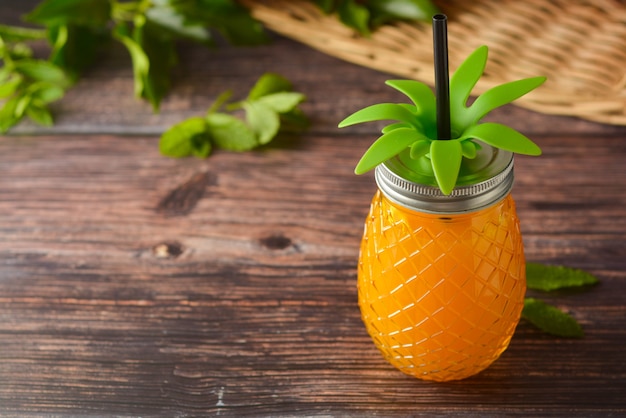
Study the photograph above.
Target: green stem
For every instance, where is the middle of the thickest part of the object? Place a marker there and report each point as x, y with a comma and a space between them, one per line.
219, 102
128, 11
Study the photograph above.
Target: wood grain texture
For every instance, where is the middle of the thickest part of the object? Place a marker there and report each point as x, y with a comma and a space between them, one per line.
137, 285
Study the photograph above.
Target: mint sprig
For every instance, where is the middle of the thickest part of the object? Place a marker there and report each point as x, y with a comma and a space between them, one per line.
366, 15
148, 29
547, 317
27, 85
77, 30
269, 102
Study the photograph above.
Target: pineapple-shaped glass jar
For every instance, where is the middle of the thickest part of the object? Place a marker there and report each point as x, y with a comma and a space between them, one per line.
441, 272
441, 278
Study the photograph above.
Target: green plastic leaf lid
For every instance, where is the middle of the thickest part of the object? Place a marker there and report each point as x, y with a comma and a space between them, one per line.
410, 149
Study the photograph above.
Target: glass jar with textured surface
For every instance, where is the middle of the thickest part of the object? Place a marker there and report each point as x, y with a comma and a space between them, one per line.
441, 278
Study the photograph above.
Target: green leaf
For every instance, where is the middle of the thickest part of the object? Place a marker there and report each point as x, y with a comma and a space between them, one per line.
327, 6
22, 105
40, 70
364, 15
231, 133
229, 18
75, 47
293, 121
269, 83
19, 34
469, 149
547, 278
8, 116
385, 10
201, 146
281, 102
387, 146
551, 319
419, 149
446, 157
186, 138
355, 16
263, 121
39, 114
45, 92
219, 102
94, 13
20, 51
501, 95
381, 111
462, 83
159, 50
10, 86
171, 20
141, 63
503, 137
392, 126
420, 94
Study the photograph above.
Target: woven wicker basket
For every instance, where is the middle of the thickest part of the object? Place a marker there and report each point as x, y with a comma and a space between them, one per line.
580, 45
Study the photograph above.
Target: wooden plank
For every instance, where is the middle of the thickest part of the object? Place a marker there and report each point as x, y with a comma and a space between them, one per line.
97, 318
137, 285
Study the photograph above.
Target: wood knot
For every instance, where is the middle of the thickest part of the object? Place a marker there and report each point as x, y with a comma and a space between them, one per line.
182, 199
167, 250
275, 242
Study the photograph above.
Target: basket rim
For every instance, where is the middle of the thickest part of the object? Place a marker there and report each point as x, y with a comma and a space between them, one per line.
586, 78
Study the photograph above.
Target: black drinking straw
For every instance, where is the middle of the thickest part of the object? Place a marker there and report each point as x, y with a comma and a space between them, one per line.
442, 83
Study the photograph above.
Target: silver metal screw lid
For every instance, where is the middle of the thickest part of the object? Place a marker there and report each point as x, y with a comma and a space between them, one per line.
483, 181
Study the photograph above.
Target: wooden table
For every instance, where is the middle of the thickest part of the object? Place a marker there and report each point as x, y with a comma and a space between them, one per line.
136, 285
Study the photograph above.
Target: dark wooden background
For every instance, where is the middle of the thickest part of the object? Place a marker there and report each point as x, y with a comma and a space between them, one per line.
136, 285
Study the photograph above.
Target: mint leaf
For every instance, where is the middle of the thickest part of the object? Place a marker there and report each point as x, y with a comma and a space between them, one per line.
550, 319
39, 114
201, 146
93, 13
293, 121
185, 138
141, 63
547, 278
159, 50
281, 102
266, 114
327, 6
355, 16
229, 18
19, 34
263, 121
8, 116
167, 17
40, 70
45, 92
74, 47
366, 15
387, 10
22, 104
10, 86
231, 133
269, 83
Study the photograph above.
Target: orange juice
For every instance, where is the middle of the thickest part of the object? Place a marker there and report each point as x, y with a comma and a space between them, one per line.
441, 286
